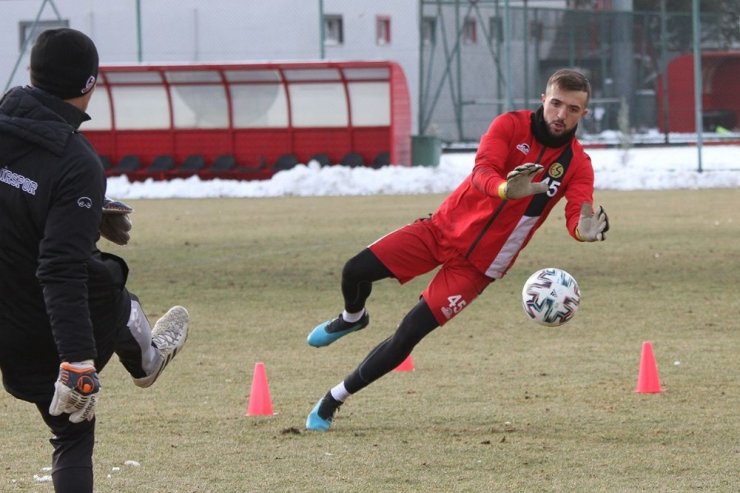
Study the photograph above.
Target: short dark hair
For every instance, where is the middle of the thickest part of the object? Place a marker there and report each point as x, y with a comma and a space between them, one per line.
570, 80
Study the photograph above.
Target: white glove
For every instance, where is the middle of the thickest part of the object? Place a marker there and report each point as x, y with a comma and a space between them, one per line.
115, 223
519, 182
592, 227
75, 391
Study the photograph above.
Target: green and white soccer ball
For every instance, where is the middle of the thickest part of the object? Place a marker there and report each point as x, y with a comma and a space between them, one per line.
551, 297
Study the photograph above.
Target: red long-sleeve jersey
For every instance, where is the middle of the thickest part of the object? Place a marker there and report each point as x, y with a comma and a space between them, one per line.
490, 232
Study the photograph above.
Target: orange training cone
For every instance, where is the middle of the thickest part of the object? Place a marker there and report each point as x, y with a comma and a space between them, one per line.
406, 365
648, 381
260, 403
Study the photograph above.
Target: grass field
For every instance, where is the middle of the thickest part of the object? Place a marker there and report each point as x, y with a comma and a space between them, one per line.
496, 404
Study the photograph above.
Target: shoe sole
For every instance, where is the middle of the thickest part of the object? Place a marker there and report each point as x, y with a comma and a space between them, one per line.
149, 380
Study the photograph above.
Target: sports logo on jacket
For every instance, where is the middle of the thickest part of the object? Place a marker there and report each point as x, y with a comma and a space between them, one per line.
523, 148
85, 202
556, 170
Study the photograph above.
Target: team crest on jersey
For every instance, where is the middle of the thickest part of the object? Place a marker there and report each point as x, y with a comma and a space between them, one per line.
556, 170
523, 148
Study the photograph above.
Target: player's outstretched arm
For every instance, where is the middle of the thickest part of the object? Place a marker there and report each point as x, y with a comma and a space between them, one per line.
592, 227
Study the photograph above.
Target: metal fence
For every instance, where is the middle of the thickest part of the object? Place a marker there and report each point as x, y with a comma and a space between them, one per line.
479, 58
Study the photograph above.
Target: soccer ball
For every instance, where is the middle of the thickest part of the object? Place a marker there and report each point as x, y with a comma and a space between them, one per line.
551, 297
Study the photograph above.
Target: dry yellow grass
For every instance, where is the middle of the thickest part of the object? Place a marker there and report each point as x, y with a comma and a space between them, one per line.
496, 403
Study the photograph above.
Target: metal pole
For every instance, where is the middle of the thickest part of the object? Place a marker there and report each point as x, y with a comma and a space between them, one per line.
458, 78
696, 22
507, 53
139, 51
54, 8
665, 115
420, 115
322, 34
537, 57
526, 55
29, 37
499, 44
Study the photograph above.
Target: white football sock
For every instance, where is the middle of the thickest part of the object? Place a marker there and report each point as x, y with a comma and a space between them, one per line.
340, 392
352, 317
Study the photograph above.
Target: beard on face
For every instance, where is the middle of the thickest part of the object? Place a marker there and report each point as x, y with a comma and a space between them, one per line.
556, 128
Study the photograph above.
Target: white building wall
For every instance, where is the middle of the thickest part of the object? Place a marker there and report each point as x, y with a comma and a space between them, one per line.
360, 36
219, 30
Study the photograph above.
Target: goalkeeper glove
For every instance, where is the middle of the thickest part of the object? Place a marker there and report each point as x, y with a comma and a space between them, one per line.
592, 227
115, 223
75, 391
519, 182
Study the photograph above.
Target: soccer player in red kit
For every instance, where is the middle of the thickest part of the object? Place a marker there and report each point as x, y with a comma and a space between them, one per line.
526, 162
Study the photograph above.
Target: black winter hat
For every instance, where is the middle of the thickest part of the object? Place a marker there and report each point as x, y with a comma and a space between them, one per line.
64, 62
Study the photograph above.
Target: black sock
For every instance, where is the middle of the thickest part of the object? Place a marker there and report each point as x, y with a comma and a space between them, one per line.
390, 353
328, 405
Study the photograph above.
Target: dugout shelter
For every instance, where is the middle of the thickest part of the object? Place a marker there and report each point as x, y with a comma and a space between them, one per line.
248, 120
720, 71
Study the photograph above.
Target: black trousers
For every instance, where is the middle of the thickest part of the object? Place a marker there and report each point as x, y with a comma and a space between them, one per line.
71, 461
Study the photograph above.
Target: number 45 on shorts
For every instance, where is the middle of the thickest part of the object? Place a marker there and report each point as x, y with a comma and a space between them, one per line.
456, 303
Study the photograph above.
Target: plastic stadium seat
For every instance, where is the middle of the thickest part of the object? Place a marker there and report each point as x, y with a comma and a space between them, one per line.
353, 160
158, 169
285, 162
193, 164
128, 164
382, 159
260, 171
161, 163
225, 162
224, 166
321, 158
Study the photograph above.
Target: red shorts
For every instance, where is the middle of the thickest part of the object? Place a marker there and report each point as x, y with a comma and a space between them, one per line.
416, 249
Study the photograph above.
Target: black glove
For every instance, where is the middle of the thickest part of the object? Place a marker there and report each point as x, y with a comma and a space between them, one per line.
115, 223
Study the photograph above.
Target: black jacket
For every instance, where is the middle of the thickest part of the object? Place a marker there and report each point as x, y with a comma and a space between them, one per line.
52, 185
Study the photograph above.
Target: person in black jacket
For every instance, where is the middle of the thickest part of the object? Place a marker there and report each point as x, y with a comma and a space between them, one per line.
64, 306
